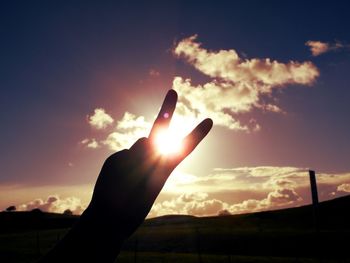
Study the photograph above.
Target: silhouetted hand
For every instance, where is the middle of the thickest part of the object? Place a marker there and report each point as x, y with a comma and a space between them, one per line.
128, 184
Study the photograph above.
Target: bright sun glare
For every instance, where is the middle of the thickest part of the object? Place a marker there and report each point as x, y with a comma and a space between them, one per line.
168, 142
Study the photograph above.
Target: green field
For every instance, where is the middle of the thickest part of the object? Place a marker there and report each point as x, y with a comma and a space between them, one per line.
275, 236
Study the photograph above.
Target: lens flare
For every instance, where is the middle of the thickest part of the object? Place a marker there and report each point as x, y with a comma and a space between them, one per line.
168, 142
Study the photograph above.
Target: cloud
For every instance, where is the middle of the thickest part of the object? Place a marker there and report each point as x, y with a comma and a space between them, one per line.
154, 73
100, 119
128, 130
237, 86
211, 100
244, 190
283, 196
204, 204
205, 208
90, 143
54, 204
280, 197
190, 203
228, 66
124, 134
344, 188
318, 48
260, 179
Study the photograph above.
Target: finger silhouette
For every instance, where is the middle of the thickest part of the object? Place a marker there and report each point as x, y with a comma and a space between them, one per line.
191, 141
165, 114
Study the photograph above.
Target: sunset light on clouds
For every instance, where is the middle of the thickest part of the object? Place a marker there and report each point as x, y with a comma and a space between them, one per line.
85, 85
237, 86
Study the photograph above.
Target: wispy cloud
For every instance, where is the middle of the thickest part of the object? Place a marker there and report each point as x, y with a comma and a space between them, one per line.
90, 143
245, 189
318, 47
154, 73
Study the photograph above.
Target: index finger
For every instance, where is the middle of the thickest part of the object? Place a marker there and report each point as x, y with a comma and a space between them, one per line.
165, 114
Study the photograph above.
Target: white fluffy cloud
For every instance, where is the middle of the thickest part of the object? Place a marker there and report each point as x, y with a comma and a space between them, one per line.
100, 119
128, 130
280, 197
211, 100
318, 47
237, 84
190, 203
54, 204
228, 66
344, 188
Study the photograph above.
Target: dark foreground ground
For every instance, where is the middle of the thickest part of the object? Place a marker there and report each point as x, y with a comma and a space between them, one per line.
285, 235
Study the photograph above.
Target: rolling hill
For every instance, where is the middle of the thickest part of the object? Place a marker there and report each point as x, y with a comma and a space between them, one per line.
283, 233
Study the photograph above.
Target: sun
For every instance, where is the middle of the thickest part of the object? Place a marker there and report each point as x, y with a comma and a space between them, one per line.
168, 142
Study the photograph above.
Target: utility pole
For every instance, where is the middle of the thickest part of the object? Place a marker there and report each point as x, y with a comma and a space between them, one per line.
136, 248
314, 196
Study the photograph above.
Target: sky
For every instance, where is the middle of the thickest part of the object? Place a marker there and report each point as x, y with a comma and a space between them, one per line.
82, 79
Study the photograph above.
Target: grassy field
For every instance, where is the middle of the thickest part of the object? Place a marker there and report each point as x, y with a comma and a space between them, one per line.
29, 246
275, 236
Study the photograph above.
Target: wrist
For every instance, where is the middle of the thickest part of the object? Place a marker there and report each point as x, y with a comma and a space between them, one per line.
91, 239
115, 222
102, 223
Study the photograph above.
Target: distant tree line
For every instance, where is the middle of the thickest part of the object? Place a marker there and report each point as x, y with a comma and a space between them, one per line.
13, 208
